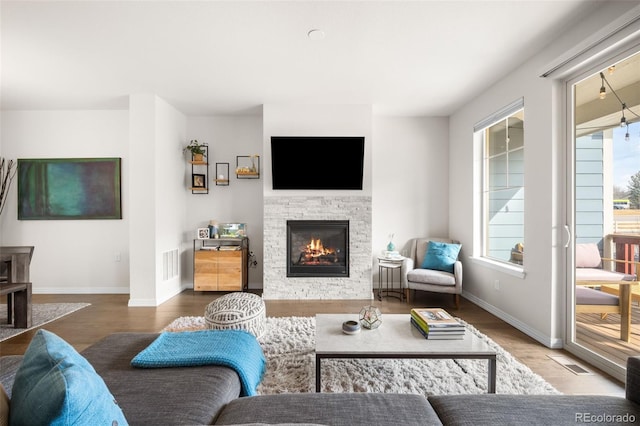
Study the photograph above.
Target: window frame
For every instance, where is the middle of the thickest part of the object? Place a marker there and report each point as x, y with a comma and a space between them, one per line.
484, 192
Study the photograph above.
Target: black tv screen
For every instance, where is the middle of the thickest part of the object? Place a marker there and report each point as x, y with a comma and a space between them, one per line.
317, 162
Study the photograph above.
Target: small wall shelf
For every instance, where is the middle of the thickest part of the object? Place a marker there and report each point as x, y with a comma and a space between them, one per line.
222, 174
248, 167
200, 173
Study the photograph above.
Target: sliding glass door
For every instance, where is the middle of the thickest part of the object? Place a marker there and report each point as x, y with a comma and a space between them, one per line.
603, 213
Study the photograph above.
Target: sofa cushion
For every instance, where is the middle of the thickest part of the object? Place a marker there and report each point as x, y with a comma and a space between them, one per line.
56, 385
441, 256
4, 407
632, 385
337, 409
593, 274
431, 276
278, 424
587, 256
160, 396
589, 296
9, 365
493, 409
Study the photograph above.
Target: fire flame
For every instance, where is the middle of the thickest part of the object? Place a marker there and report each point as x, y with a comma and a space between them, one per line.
316, 249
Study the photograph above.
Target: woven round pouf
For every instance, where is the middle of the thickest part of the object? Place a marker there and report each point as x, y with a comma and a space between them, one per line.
237, 311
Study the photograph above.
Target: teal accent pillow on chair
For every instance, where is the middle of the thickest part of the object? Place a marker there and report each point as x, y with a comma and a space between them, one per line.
55, 385
441, 256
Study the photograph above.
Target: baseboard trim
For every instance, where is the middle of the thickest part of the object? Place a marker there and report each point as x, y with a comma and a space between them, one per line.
81, 290
514, 322
143, 303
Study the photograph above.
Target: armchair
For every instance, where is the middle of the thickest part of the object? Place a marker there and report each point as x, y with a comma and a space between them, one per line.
415, 277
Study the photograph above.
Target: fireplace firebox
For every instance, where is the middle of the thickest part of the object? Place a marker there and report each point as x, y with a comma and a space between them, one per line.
317, 248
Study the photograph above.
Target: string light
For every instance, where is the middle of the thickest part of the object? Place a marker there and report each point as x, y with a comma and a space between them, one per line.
626, 135
623, 119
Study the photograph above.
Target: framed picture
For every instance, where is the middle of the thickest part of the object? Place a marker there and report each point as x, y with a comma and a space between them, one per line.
203, 233
69, 188
198, 181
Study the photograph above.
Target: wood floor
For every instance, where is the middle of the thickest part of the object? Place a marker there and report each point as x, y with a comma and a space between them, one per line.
110, 313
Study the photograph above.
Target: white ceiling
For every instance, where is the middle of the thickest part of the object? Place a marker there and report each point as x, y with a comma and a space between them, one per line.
230, 57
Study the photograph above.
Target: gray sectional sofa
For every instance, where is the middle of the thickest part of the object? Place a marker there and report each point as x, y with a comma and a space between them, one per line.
211, 395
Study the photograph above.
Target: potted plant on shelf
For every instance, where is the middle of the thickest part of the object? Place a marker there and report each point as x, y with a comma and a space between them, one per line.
198, 152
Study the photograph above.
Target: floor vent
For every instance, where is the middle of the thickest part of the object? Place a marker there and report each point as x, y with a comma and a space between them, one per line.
571, 365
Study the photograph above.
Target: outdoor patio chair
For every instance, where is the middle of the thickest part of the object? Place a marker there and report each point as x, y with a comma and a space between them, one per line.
591, 276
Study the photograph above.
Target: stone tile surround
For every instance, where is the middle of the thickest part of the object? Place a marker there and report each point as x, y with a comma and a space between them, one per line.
356, 209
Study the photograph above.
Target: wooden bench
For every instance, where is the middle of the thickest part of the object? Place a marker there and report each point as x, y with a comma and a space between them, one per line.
18, 312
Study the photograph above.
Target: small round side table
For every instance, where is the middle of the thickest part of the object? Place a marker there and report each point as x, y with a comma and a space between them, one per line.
387, 266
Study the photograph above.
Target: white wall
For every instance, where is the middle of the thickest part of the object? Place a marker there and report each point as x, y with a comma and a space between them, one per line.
171, 196
159, 213
516, 296
241, 201
406, 166
157, 132
71, 256
535, 303
411, 180
317, 120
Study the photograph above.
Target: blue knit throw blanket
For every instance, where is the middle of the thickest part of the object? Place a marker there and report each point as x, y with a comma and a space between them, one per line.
235, 349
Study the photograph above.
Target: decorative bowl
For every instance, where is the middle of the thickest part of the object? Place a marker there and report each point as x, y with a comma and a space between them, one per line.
350, 327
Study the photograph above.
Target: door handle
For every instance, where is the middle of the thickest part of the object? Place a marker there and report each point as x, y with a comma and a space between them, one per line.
566, 228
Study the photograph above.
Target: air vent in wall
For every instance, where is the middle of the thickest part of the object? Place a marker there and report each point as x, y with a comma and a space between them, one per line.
169, 264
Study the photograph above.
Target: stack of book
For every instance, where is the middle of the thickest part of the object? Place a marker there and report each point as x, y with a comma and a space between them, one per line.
436, 323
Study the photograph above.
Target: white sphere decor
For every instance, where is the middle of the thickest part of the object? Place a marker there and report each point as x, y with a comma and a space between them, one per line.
370, 317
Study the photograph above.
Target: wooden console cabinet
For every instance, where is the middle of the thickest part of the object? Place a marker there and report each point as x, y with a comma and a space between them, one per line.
220, 264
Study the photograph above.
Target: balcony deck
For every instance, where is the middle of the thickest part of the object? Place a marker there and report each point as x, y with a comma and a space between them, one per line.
603, 335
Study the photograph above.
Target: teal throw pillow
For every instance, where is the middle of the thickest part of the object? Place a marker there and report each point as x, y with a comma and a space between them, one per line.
441, 256
55, 385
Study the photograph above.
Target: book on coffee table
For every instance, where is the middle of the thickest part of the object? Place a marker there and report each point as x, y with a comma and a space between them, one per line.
439, 335
436, 320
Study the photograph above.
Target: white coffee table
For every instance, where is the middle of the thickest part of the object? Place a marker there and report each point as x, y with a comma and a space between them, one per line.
395, 338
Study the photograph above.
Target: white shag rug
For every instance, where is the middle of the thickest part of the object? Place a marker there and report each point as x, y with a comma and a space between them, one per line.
289, 347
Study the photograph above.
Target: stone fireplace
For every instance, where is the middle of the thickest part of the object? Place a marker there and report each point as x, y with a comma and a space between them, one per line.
317, 248
351, 280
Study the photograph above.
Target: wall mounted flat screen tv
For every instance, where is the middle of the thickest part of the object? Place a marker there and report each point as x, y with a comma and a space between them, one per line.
317, 162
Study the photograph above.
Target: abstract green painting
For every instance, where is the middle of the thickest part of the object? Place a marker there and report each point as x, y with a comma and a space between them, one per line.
69, 188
